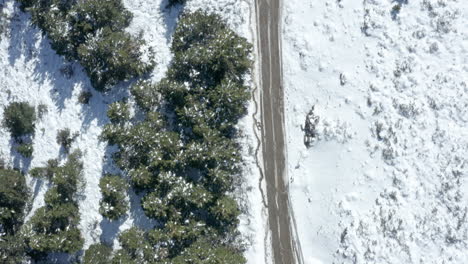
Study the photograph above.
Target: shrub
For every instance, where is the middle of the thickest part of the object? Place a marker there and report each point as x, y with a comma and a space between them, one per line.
42, 110
113, 204
146, 95
25, 149
54, 227
84, 97
65, 138
13, 197
98, 254
13, 249
110, 57
87, 17
45, 172
203, 252
204, 44
19, 118
118, 112
81, 30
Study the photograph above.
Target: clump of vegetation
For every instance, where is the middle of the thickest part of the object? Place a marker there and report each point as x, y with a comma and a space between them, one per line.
182, 153
46, 172
65, 138
14, 195
98, 254
113, 204
25, 149
119, 112
84, 97
19, 118
54, 227
93, 33
42, 110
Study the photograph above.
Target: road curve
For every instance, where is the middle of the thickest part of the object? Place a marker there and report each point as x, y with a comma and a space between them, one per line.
273, 146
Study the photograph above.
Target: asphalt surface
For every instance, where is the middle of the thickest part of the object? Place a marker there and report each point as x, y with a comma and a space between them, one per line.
272, 108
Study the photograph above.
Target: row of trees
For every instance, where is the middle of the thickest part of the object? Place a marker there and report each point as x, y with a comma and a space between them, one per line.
92, 32
182, 154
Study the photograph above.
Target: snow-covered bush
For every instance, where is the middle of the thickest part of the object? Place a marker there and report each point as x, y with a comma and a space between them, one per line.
25, 149
113, 204
13, 197
54, 227
118, 112
93, 33
19, 118
111, 56
98, 254
206, 51
65, 138
84, 97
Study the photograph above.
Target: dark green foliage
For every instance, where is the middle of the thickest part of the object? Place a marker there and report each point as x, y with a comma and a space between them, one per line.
25, 149
98, 254
181, 151
135, 247
93, 33
65, 138
207, 51
45, 172
87, 17
54, 227
204, 252
110, 57
13, 197
84, 97
118, 112
12, 249
113, 204
146, 95
19, 118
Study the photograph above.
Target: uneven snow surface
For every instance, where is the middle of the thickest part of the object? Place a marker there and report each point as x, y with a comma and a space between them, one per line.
386, 181
31, 71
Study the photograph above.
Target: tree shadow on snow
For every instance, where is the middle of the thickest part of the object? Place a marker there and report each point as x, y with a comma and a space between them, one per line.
171, 15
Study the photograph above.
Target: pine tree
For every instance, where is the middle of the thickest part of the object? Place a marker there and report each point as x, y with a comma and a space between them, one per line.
113, 204
19, 118
98, 254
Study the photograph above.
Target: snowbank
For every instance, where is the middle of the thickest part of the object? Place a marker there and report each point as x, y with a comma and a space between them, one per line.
386, 182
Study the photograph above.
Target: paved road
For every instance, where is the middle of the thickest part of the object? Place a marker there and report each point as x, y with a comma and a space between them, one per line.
272, 109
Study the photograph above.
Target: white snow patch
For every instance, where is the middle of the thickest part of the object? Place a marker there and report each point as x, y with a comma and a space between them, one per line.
387, 181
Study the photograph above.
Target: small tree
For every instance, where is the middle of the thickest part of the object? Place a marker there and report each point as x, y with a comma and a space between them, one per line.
65, 138
110, 57
98, 254
118, 112
204, 252
54, 227
25, 149
19, 118
13, 197
113, 204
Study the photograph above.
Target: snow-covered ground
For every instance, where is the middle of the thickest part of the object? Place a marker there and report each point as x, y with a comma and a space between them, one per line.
31, 71
386, 182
